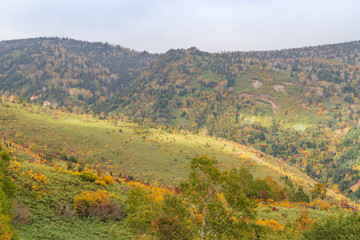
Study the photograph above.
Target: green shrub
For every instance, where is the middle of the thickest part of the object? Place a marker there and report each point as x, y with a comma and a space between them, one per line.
331, 228
89, 176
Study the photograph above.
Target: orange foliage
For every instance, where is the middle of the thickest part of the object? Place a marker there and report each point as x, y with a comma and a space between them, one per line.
303, 222
271, 224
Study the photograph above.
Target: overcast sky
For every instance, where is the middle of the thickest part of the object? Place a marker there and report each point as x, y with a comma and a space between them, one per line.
212, 25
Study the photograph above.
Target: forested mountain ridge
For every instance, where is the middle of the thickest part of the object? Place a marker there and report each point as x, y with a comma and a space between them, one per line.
299, 105
66, 72
309, 75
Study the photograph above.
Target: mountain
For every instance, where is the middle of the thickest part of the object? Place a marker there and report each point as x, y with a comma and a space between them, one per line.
298, 105
66, 72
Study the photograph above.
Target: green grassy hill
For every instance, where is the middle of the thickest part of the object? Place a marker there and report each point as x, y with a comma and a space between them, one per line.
153, 155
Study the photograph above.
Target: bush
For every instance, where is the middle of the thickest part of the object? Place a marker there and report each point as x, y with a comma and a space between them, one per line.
89, 176
270, 224
343, 227
98, 204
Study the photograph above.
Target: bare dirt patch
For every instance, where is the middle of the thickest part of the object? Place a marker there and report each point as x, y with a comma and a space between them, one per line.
256, 84
278, 87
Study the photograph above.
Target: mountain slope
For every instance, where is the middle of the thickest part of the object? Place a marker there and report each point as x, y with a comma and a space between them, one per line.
66, 72
298, 105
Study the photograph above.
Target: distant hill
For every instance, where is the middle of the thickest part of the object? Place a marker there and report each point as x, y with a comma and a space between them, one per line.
67, 72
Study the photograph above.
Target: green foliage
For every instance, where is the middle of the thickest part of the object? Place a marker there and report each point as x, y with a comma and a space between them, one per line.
217, 203
342, 227
52, 215
89, 176
172, 221
318, 192
6, 191
295, 195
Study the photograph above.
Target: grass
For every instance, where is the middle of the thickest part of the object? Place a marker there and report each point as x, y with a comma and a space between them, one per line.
149, 154
287, 215
127, 148
155, 155
61, 189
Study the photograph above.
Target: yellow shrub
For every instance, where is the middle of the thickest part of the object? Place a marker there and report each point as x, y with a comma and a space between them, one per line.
271, 223
100, 182
157, 194
285, 203
38, 177
15, 166
108, 179
90, 199
98, 204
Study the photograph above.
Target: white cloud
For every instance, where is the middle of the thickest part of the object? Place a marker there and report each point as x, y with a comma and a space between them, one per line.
212, 25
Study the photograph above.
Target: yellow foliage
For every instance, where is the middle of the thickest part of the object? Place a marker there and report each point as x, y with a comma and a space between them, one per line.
108, 179
91, 199
234, 219
271, 223
157, 194
244, 157
100, 182
303, 222
15, 166
285, 203
5, 227
221, 197
38, 177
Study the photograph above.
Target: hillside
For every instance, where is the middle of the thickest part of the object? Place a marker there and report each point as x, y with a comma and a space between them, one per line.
45, 200
66, 160
148, 154
297, 105
66, 72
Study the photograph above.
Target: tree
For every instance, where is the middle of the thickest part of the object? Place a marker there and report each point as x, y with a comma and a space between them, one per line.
217, 205
301, 196
318, 192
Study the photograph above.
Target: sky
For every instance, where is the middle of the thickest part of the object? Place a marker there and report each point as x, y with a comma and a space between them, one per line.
159, 25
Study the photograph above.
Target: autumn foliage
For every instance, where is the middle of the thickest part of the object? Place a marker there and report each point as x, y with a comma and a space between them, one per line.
6, 190
98, 204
